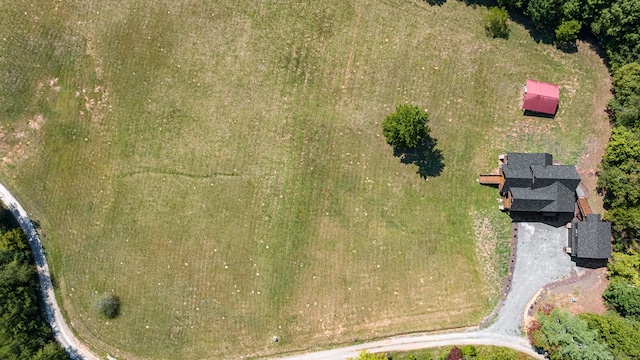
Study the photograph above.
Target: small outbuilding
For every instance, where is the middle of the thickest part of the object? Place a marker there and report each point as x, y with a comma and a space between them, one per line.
541, 97
590, 239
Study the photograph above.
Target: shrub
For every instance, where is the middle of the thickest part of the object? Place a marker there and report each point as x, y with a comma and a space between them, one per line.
455, 354
495, 23
108, 306
567, 32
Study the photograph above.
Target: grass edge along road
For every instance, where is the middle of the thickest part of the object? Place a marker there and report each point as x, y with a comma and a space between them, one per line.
61, 331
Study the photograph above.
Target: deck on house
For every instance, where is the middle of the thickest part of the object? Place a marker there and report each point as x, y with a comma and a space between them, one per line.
491, 179
583, 208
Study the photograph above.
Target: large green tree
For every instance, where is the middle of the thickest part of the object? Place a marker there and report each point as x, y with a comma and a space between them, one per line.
618, 27
621, 335
620, 169
406, 127
624, 298
625, 267
545, 13
625, 106
567, 337
567, 32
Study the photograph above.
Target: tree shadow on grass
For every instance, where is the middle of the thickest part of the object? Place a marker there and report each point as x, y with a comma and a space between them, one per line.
7, 220
435, 2
425, 156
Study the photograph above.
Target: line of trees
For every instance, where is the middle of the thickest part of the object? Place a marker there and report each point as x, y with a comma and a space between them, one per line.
24, 332
615, 22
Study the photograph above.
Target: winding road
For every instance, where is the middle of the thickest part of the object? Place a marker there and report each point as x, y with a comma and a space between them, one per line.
504, 332
422, 341
75, 348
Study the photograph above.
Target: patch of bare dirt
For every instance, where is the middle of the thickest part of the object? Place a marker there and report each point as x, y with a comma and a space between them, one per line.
583, 295
17, 138
577, 294
522, 131
36, 122
96, 103
16, 141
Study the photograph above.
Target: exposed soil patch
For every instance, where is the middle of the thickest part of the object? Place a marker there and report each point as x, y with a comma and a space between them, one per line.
579, 293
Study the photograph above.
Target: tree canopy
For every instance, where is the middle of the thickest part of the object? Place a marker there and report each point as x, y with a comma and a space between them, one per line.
108, 305
624, 298
567, 32
24, 333
621, 335
619, 29
496, 23
545, 13
406, 127
620, 169
565, 336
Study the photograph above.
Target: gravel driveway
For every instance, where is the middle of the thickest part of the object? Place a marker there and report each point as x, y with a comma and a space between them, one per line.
540, 261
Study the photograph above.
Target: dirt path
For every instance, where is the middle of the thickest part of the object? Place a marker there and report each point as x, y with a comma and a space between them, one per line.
61, 331
422, 341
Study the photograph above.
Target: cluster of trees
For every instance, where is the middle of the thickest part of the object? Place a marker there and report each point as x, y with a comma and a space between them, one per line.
564, 336
619, 29
615, 22
586, 336
24, 333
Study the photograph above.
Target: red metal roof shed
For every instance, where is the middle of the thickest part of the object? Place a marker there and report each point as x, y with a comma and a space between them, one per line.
541, 97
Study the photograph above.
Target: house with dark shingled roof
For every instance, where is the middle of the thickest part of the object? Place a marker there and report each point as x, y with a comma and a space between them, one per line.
590, 239
533, 183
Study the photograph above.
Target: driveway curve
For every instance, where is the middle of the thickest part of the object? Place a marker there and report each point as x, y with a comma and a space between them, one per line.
63, 334
422, 341
539, 261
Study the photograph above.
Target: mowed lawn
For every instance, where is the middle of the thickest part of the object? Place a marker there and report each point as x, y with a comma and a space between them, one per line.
221, 168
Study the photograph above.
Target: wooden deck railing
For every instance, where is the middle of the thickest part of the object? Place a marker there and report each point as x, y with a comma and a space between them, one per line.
583, 208
491, 179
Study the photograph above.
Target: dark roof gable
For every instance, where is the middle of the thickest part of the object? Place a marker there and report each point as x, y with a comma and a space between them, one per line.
590, 239
537, 185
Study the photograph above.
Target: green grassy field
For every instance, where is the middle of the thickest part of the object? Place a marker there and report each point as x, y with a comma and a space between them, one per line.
221, 168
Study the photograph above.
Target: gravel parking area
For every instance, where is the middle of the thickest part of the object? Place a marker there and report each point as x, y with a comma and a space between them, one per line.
540, 261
